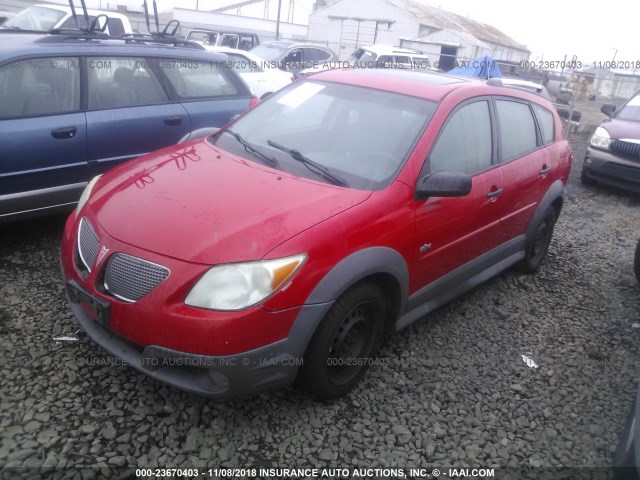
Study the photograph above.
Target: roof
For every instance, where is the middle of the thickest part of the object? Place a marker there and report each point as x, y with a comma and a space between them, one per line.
429, 86
16, 45
444, 20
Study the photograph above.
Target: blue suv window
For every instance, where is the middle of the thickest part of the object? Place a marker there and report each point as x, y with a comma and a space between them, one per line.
192, 79
41, 86
116, 82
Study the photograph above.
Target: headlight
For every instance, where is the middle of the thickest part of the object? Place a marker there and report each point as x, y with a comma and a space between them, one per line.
241, 285
601, 139
86, 194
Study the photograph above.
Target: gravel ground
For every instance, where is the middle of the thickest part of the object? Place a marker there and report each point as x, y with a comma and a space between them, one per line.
453, 389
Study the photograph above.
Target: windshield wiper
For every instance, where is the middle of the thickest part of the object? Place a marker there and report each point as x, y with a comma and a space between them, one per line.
272, 162
310, 164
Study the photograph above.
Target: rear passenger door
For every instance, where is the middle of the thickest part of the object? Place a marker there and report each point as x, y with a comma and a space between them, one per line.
210, 92
128, 111
42, 134
525, 163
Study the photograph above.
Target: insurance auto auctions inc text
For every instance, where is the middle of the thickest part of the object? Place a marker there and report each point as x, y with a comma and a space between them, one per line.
349, 473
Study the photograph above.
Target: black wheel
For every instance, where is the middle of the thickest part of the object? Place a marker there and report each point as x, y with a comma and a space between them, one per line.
341, 348
636, 262
537, 246
586, 180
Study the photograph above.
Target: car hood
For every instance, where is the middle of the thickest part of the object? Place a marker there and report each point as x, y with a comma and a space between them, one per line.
201, 204
622, 129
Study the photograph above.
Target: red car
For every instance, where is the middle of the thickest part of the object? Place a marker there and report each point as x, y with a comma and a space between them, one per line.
281, 248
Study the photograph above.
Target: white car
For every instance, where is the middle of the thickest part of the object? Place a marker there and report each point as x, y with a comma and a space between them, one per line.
44, 18
262, 77
379, 56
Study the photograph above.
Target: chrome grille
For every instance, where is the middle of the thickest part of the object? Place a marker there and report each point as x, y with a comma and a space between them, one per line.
88, 244
129, 278
628, 149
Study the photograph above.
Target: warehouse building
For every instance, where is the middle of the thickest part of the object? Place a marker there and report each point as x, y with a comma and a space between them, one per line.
447, 38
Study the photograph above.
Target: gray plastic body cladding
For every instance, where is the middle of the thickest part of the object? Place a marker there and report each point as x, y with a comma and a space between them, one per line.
348, 272
479, 270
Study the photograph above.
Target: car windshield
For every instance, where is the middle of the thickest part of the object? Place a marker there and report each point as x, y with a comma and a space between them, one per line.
269, 51
631, 111
339, 134
35, 18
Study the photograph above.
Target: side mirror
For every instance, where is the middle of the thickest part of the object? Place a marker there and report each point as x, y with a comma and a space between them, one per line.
444, 184
609, 109
200, 133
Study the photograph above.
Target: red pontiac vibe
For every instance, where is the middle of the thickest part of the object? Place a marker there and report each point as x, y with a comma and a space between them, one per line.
281, 248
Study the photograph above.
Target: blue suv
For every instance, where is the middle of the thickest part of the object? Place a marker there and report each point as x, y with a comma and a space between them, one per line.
74, 106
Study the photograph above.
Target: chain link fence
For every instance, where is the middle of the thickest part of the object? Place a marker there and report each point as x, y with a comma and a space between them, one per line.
578, 96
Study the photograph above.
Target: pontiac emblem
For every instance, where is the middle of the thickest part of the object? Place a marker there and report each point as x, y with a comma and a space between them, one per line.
101, 255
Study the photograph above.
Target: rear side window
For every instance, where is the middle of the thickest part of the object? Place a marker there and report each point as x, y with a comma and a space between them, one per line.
517, 129
545, 120
36, 87
315, 55
242, 64
197, 80
116, 27
464, 144
116, 82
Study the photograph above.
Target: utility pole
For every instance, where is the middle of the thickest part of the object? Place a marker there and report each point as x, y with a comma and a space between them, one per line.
278, 20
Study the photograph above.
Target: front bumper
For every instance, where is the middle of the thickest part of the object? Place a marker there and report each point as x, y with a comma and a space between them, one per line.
141, 333
610, 169
223, 377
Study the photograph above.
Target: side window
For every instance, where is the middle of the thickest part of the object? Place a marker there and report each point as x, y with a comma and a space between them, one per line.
42, 86
115, 82
545, 120
315, 55
242, 64
517, 129
421, 63
116, 27
197, 80
294, 56
402, 62
464, 144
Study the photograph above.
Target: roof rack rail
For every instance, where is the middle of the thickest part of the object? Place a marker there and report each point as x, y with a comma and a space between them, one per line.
153, 38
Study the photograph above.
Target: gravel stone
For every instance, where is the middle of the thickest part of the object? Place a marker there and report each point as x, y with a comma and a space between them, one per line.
454, 392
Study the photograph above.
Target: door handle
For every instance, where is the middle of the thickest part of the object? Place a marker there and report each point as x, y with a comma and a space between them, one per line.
173, 121
495, 193
545, 170
64, 133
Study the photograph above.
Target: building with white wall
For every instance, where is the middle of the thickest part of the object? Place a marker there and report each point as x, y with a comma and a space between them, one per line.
444, 36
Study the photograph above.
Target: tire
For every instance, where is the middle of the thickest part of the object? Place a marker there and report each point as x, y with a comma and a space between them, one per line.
586, 180
537, 246
349, 333
636, 262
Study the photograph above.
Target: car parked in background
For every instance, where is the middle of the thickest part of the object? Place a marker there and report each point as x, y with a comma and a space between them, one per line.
4, 16
292, 56
613, 155
48, 17
220, 38
72, 107
262, 77
379, 56
345, 205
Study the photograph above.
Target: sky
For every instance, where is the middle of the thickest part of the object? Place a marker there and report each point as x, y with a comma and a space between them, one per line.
550, 29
